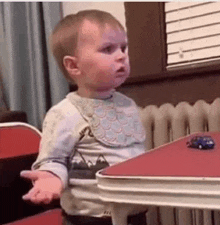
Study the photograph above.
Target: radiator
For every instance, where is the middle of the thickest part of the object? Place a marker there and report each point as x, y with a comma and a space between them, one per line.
167, 123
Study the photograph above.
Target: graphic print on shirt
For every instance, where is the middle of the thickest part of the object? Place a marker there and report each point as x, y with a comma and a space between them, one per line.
80, 168
87, 130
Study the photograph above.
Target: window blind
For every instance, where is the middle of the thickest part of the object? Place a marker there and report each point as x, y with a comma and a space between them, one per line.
192, 33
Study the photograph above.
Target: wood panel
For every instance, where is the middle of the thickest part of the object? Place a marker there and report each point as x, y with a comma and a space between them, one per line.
145, 35
174, 90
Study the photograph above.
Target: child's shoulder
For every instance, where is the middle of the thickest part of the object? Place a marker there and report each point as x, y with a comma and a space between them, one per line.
64, 113
63, 108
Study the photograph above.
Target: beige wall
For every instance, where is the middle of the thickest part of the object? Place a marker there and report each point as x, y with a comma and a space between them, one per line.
115, 8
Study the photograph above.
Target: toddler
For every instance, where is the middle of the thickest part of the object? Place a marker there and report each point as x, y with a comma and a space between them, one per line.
91, 128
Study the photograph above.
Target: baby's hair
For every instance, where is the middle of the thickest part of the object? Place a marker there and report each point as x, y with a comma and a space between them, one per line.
64, 38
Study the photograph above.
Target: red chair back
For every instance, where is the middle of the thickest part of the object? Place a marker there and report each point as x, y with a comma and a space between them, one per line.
19, 146
18, 139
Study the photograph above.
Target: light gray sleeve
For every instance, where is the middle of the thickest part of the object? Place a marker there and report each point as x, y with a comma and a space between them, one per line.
59, 137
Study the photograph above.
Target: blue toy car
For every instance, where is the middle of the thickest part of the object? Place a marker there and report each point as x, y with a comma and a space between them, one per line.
201, 142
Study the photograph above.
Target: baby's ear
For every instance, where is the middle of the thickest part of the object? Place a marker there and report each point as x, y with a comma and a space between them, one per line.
70, 63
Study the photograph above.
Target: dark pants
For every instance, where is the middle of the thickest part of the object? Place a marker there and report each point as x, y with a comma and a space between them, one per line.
139, 219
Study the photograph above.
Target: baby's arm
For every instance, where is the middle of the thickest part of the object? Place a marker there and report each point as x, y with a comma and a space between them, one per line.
47, 186
49, 173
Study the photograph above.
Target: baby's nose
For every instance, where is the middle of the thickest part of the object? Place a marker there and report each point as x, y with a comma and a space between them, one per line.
121, 55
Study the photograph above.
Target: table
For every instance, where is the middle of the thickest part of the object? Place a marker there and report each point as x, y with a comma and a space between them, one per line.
173, 175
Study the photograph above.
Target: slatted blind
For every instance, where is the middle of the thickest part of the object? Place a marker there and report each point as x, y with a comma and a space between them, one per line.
193, 33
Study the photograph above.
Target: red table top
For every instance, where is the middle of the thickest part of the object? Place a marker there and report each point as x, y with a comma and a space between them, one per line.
18, 140
173, 159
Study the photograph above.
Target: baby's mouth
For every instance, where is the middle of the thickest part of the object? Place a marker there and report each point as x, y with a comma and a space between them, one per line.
122, 69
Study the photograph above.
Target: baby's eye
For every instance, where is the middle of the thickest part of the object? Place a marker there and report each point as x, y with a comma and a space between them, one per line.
108, 49
123, 48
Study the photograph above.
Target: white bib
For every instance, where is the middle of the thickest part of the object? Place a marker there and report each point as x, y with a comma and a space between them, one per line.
114, 121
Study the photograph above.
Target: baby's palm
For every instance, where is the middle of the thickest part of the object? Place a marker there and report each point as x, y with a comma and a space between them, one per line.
47, 186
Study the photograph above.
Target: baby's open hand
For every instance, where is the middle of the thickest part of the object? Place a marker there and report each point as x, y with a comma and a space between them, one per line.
47, 186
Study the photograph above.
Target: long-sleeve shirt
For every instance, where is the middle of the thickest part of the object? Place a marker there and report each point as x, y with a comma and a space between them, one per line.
81, 136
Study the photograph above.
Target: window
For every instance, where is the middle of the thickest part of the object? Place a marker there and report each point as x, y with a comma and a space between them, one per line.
192, 34
151, 80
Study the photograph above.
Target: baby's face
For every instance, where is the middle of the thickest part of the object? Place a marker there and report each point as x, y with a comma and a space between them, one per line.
102, 57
